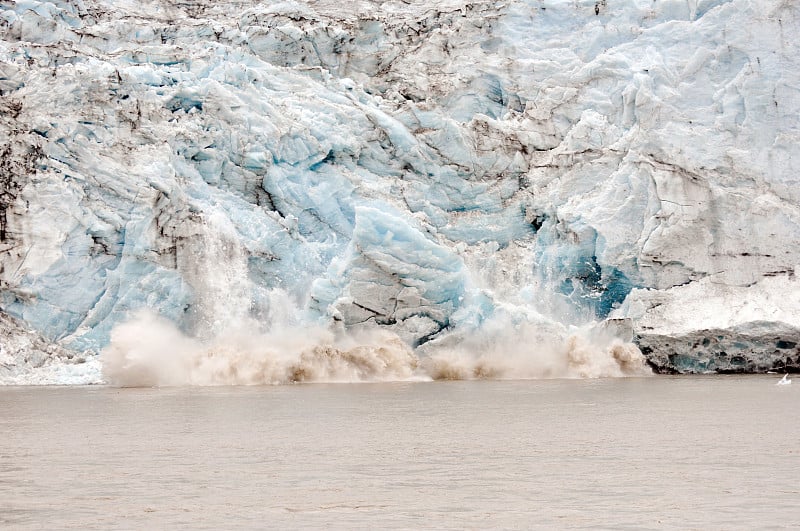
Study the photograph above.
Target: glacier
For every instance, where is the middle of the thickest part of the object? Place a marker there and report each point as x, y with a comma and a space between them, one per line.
535, 183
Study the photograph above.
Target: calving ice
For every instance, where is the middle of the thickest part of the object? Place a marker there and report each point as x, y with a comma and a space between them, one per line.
310, 191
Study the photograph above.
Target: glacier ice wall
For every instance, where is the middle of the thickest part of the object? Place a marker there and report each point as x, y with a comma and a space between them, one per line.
431, 168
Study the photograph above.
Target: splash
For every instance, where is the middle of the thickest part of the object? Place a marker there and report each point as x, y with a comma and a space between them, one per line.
150, 351
533, 351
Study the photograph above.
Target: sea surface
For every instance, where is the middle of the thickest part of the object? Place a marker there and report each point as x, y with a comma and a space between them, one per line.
717, 452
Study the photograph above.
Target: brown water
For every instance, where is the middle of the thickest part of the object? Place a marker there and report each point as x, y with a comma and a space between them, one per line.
639, 453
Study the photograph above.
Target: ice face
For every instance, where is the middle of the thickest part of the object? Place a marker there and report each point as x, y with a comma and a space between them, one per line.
426, 168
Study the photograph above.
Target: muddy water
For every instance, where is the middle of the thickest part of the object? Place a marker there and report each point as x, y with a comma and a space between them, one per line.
658, 453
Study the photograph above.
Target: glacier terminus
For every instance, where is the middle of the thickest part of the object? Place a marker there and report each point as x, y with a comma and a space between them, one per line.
258, 192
